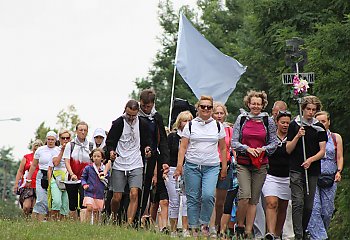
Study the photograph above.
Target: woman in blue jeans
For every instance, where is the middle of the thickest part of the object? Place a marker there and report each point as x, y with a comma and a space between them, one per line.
199, 146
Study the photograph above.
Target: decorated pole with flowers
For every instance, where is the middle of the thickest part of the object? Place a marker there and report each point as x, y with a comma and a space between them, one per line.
300, 87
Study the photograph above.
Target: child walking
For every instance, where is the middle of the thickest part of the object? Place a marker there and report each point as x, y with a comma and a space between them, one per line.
92, 181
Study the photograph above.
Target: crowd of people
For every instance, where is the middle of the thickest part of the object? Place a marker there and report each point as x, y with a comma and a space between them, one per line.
213, 178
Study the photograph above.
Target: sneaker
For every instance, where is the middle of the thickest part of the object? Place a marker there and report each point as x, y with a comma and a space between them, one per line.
164, 230
205, 231
195, 232
173, 234
307, 235
213, 233
240, 232
269, 236
186, 233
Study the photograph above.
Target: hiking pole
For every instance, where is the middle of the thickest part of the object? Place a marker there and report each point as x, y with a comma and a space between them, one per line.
142, 191
304, 152
302, 137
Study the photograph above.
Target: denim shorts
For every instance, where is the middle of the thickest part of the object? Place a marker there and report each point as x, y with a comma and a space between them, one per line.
227, 182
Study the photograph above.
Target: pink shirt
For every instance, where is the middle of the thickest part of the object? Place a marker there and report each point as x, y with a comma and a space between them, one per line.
254, 136
228, 139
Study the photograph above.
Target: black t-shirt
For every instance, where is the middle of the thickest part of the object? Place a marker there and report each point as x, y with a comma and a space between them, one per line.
173, 144
279, 161
312, 147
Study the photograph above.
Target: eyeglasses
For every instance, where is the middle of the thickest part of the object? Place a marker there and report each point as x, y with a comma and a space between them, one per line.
206, 107
65, 138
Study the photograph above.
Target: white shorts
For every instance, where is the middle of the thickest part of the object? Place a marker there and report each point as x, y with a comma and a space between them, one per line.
277, 186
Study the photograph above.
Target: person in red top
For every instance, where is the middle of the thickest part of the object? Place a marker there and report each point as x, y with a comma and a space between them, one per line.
26, 194
254, 137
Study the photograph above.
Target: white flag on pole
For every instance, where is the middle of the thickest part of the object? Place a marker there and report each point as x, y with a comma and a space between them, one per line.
204, 68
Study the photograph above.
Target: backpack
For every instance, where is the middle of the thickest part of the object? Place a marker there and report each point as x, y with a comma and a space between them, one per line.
72, 145
190, 126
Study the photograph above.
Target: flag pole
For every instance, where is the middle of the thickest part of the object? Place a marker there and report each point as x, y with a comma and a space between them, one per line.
172, 97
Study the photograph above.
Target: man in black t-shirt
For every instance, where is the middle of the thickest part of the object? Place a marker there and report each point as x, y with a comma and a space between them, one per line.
315, 145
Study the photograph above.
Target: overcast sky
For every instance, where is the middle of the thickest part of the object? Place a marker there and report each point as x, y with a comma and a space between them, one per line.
57, 53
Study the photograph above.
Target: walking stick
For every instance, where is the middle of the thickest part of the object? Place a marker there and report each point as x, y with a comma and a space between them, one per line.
142, 192
304, 152
301, 91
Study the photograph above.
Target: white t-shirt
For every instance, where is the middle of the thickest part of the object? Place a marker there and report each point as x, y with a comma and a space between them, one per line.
61, 165
80, 152
128, 148
203, 142
44, 154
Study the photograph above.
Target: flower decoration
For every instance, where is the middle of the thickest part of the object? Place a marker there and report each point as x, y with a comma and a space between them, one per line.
300, 86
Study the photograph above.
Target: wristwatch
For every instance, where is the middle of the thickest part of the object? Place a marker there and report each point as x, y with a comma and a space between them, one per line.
339, 170
29, 180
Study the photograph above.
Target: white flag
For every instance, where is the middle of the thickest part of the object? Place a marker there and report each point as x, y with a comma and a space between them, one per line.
204, 68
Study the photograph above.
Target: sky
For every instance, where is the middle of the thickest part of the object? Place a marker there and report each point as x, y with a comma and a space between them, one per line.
72, 52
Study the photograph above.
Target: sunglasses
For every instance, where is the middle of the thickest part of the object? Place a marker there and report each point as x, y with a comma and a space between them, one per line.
206, 107
65, 138
284, 114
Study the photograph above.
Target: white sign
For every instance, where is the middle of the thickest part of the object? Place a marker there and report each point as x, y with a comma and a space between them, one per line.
287, 78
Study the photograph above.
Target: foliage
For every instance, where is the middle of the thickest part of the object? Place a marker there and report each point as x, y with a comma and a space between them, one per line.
8, 169
9, 211
68, 118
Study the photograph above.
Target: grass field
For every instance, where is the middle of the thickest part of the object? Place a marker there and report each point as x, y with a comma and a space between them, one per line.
14, 227
21, 229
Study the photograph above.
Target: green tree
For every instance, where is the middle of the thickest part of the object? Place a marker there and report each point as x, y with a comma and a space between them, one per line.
68, 118
40, 133
8, 169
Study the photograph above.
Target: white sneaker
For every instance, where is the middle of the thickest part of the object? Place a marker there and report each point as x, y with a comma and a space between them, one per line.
173, 234
186, 233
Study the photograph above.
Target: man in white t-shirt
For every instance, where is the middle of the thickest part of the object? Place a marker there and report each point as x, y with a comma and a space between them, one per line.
127, 140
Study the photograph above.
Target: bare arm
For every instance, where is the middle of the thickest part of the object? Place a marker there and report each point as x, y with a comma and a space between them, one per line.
57, 160
181, 156
222, 146
69, 169
31, 171
290, 146
340, 157
315, 157
19, 174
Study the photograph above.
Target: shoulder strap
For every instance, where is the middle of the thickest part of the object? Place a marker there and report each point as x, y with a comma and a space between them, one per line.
242, 121
218, 125
334, 139
72, 145
91, 146
266, 123
190, 126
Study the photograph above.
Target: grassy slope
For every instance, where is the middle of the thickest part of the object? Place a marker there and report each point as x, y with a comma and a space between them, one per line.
69, 230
